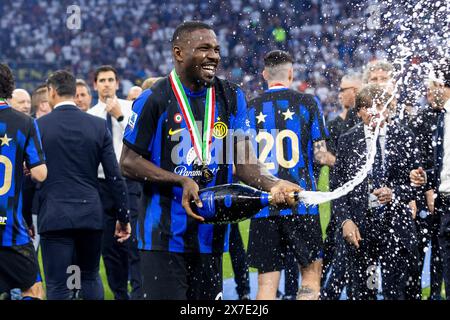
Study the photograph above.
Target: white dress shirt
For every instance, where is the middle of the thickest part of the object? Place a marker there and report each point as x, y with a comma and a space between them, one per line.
444, 187
118, 128
65, 103
369, 135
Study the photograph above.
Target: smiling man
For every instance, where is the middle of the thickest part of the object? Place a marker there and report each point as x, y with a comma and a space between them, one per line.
374, 218
181, 257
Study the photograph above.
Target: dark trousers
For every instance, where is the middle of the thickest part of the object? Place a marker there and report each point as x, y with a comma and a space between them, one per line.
397, 264
291, 274
121, 259
181, 276
58, 251
334, 274
428, 231
239, 262
443, 208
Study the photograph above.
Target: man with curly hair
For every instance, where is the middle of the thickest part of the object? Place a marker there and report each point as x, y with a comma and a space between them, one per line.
19, 143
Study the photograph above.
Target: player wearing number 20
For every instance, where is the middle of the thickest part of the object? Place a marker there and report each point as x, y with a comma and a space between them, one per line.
291, 135
19, 142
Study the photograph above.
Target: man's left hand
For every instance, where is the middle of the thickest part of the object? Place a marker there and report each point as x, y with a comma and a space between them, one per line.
282, 193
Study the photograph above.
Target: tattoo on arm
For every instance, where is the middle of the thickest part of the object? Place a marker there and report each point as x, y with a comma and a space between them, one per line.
321, 154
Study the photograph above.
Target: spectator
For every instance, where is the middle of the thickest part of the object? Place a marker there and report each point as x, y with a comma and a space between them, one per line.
134, 93
149, 83
21, 101
39, 102
83, 98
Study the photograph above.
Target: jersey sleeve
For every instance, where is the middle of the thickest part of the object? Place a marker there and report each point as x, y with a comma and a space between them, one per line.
318, 127
142, 124
34, 155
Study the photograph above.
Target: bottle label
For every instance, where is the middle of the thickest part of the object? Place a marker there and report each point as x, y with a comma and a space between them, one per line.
208, 210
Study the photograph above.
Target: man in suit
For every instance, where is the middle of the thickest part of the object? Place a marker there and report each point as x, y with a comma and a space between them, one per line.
70, 213
333, 280
427, 222
83, 98
121, 260
375, 217
438, 180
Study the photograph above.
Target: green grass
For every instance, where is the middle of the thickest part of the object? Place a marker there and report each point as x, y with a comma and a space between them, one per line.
324, 210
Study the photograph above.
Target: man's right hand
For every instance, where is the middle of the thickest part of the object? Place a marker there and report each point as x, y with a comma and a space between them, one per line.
122, 231
351, 234
418, 177
190, 192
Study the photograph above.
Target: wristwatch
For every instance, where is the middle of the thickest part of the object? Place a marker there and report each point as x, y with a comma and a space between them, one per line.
121, 118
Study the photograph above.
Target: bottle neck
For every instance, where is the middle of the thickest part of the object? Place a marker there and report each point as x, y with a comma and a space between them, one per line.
293, 195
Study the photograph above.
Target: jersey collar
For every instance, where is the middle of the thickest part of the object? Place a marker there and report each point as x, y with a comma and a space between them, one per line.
276, 87
4, 104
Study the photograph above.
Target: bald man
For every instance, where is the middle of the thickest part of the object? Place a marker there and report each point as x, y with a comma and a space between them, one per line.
134, 93
21, 101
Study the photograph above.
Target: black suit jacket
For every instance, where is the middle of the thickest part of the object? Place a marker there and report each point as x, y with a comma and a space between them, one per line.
400, 159
434, 179
75, 143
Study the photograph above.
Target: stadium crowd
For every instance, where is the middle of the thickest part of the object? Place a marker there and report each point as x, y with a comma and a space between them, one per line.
325, 37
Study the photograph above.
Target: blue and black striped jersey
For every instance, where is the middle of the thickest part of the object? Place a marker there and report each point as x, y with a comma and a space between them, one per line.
19, 142
286, 124
157, 131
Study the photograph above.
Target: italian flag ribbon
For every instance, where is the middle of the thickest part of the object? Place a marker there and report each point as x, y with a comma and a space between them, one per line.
3, 102
202, 147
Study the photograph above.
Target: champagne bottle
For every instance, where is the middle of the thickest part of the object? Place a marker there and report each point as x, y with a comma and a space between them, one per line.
232, 203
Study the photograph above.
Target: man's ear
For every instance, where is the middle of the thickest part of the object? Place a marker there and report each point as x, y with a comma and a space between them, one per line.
177, 54
51, 93
291, 75
95, 86
265, 75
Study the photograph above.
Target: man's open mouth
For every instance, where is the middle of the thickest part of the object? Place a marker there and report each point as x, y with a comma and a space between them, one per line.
210, 69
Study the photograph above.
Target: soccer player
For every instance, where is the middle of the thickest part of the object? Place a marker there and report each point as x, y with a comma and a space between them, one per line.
19, 143
291, 135
181, 257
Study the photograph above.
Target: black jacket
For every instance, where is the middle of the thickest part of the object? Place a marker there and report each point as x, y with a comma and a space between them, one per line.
75, 143
401, 158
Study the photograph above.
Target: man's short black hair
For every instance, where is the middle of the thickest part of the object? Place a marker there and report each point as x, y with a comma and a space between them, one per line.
277, 57
106, 68
63, 82
6, 82
186, 28
442, 71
